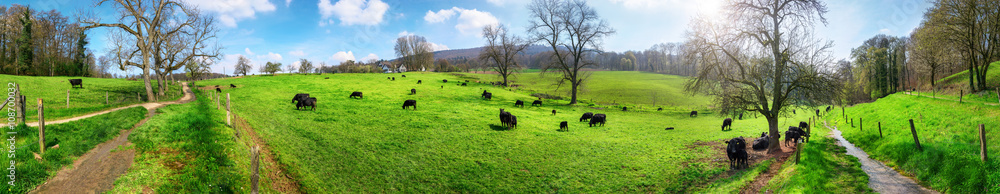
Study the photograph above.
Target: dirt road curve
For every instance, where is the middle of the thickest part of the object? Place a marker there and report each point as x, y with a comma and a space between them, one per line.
881, 178
96, 171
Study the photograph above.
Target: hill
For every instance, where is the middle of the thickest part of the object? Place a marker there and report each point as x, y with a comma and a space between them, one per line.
471, 53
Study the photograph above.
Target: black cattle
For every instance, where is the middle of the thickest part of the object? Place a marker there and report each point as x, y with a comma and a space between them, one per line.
308, 102
519, 103
418, 81
232, 86
625, 108
817, 112
404, 75
488, 96
412, 103
828, 108
803, 125
586, 116
326, 78
75, 82
741, 116
218, 90
736, 150
598, 119
300, 97
536, 103
793, 134
762, 142
463, 84
563, 126
356, 94
484, 93
669, 128
505, 118
513, 122
393, 78
413, 91
728, 122
793, 111
445, 80
659, 109
553, 112
388, 77
694, 113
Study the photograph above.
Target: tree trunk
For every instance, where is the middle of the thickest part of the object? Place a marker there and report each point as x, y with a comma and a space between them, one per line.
772, 123
149, 86
574, 87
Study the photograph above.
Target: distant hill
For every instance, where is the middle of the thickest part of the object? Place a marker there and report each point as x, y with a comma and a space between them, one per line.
474, 52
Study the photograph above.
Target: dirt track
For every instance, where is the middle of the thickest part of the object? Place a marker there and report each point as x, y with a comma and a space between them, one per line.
96, 171
881, 178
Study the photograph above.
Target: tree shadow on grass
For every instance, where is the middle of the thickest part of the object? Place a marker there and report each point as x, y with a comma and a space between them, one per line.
498, 127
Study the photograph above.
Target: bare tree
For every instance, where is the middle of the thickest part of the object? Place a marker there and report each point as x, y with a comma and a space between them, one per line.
501, 50
305, 66
763, 58
243, 66
573, 30
414, 52
972, 26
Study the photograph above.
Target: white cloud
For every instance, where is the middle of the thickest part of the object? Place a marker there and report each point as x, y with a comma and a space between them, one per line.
884, 31
404, 33
288, 3
271, 57
248, 51
439, 16
297, 53
470, 21
438, 47
350, 12
232, 11
371, 56
341, 57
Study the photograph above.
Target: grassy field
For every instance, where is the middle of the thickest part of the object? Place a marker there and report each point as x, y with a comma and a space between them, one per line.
962, 78
948, 133
186, 148
824, 167
453, 142
52, 90
74, 139
614, 87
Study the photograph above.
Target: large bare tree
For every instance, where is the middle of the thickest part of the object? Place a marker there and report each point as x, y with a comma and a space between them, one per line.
574, 31
414, 52
243, 66
501, 50
762, 58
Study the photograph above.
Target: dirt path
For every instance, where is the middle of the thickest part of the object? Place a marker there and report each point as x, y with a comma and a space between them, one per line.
764, 177
882, 178
986, 103
96, 171
188, 96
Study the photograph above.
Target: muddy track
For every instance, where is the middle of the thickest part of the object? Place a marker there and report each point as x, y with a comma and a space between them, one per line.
881, 178
96, 170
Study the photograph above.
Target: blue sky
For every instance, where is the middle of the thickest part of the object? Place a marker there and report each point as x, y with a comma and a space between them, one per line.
335, 30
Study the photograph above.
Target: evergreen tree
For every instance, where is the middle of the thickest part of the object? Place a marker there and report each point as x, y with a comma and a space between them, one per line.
24, 43
80, 62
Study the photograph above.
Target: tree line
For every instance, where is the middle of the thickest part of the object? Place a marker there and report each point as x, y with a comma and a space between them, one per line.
43, 43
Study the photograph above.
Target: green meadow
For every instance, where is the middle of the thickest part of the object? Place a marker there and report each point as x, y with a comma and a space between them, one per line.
91, 98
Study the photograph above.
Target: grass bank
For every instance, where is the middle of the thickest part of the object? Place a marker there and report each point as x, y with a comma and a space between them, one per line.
91, 98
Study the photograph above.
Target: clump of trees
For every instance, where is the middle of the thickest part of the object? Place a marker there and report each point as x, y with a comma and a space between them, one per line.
968, 30
414, 52
880, 65
43, 43
372, 66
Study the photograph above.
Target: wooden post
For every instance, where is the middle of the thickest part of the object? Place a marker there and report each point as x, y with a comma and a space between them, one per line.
809, 128
227, 111
982, 142
880, 129
798, 149
67, 98
913, 130
861, 123
852, 122
218, 102
105, 97
41, 128
960, 94
137, 97
255, 165
24, 109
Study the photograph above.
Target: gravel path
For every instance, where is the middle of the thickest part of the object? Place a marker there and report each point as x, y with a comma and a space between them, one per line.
881, 178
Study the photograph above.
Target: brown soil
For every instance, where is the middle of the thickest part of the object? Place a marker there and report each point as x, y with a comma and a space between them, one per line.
96, 170
281, 180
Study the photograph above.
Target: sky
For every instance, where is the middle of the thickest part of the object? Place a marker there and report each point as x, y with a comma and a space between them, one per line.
333, 31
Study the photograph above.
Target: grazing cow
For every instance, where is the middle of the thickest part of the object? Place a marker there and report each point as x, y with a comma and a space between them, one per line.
488, 96
793, 134
586, 116
463, 84
388, 77
404, 75
828, 108
504, 118
74, 82
694, 113
669, 128
232, 86
553, 112
817, 112
356, 94
519, 103
736, 150
308, 102
513, 122
445, 80
418, 81
326, 78
536, 103
218, 90
413, 91
300, 97
659, 109
393, 78
564, 126
802, 127
793, 112
762, 142
412, 103
598, 119
625, 108
728, 122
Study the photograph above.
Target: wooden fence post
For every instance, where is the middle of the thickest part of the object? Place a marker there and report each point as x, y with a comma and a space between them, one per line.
880, 129
138, 97
798, 149
105, 97
913, 130
24, 109
960, 94
227, 111
41, 128
67, 98
255, 165
852, 122
982, 141
861, 123
218, 102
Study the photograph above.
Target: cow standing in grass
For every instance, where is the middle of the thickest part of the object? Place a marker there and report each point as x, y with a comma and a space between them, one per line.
728, 122
356, 94
624, 108
736, 150
308, 102
300, 97
76, 82
563, 126
232, 86
536, 103
586, 116
488, 96
598, 119
418, 81
413, 91
412, 103
793, 134
519, 103
504, 118
694, 113
218, 90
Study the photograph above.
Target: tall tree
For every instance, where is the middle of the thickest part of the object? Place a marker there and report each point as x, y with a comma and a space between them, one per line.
272, 67
501, 50
574, 31
974, 27
762, 58
243, 66
414, 52
305, 66
25, 53
929, 50
80, 62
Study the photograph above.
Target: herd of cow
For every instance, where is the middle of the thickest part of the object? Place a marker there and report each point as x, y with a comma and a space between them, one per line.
736, 147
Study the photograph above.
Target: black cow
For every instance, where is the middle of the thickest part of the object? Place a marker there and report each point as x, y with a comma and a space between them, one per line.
736, 150
802, 127
793, 111
659, 109
536, 103
308, 102
218, 90
586, 116
445, 80
463, 84
728, 122
504, 118
404, 75
598, 119
564, 126
388, 77
356, 94
413, 91
488, 96
393, 78
625, 108
817, 112
762, 142
326, 78
484, 93
412, 103
513, 122
553, 112
232, 86
300, 97
793, 134
418, 81
694, 113
519, 103
75, 82
828, 108
741, 116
